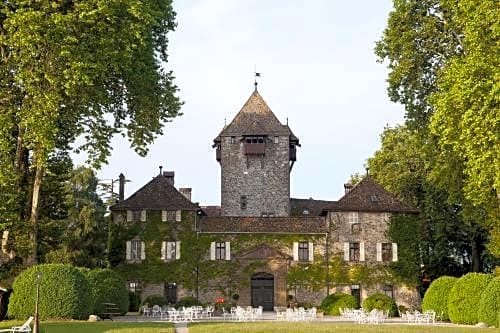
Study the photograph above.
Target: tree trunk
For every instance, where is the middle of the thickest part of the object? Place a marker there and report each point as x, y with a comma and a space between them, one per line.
35, 202
476, 256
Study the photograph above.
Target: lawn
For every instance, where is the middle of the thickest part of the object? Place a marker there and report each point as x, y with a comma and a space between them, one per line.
325, 327
99, 327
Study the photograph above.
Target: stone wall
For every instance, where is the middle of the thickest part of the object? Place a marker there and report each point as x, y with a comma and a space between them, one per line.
263, 179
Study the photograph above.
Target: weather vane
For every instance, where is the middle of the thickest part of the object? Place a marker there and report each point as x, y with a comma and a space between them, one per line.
257, 74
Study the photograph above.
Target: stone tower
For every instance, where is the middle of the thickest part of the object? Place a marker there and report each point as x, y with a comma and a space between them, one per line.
256, 153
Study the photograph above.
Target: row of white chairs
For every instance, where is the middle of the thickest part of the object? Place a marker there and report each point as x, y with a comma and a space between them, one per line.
295, 314
243, 313
427, 317
361, 316
182, 314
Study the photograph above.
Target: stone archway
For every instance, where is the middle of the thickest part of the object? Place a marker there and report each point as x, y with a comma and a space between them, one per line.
262, 291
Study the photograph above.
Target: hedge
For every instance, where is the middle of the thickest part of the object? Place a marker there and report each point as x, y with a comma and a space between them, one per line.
64, 293
155, 300
381, 302
463, 302
107, 286
436, 297
333, 302
489, 305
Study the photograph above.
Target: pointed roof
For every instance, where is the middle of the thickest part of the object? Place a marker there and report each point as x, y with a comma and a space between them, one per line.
158, 194
255, 118
369, 196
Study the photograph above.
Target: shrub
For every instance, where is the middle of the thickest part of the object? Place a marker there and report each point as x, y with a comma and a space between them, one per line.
333, 302
381, 301
436, 297
489, 305
187, 302
107, 286
64, 293
464, 298
155, 300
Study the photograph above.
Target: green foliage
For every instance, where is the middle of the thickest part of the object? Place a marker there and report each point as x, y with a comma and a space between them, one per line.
436, 297
155, 300
332, 303
381, 302
64, 293
187, 302
107, 286
489, 305
463, 301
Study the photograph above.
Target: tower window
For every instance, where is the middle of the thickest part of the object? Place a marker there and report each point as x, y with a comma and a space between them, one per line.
276, 139
233, 139
243, 202
254, 145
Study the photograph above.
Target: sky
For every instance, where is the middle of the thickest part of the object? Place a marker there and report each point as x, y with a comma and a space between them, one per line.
318, 70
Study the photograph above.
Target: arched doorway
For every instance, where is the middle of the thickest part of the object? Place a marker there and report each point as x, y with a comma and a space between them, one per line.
262, 291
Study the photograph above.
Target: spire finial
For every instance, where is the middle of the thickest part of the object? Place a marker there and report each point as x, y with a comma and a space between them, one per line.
367, 171
161, 167
257, 74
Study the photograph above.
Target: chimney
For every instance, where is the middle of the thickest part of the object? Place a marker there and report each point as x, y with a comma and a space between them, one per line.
170, 176
347, 187
121, 189
186, 192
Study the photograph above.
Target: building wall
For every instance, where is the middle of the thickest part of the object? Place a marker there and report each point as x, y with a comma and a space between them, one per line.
264, 180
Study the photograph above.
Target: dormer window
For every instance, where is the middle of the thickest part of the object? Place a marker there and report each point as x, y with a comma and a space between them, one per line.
305, 212
374, 198
254, 145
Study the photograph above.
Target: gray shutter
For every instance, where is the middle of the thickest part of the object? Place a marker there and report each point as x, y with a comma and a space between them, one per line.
177, 250
163, 250
178, 216
212, 251
295, 251
394, 252
143, 251
130, 216
169, 250
164, 216
311, 251
361, 251
143, 215
346, 251
379, 251
128, 253
228, 251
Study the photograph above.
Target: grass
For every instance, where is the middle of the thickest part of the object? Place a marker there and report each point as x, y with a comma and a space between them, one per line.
98, 327
326, 327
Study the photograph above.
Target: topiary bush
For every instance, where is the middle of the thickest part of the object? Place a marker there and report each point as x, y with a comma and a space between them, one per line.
464, 298
436, 297
187, 302
489, 304
333, 302
381, 301
107, 286
64, 293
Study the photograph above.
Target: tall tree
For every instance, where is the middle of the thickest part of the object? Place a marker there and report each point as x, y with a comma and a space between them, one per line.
80, 68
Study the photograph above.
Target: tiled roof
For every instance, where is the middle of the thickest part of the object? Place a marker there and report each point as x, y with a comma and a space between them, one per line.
369, 196
287, 225
314, 207
212, 210
158, 194
255, 118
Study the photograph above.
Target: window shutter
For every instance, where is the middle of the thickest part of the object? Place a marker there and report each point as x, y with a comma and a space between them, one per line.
143, 251
130, 216
164, 216
178, 216
295, 251
128, 253
311, 251
228, 250
346, 251
379, 251
361, 251
163, 250
143, 215
394, 252
212, 251
177, 250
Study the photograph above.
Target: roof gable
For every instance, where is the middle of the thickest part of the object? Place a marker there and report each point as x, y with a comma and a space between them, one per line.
158, 194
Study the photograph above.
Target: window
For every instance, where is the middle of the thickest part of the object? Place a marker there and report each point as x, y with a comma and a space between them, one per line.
233, 140
353, 251
355, 228
353, 217
130, 216
303, 251
243, 202
168, 215
220, 251
356, 292
305, 212
143, 216
135, 249
374, 198
134, 287
276, 139
267, 214
388, 290
386, 251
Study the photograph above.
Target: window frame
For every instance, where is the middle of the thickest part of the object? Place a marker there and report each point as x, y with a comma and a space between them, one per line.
243, 202
135, 249
303, 251
354, 251
386, 252
220, 250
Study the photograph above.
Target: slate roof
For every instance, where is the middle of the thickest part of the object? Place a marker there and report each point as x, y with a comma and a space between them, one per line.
255, 118
280, 225
315, 207
158, 194
369, 196
212, 210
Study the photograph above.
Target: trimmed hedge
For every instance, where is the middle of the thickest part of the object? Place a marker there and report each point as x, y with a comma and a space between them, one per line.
381, 301
64, 293
107, 286
436, 297
155, 300
489, 305
463, 302
187, 302
333, 302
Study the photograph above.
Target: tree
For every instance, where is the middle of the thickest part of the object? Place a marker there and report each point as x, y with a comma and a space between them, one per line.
89, 68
